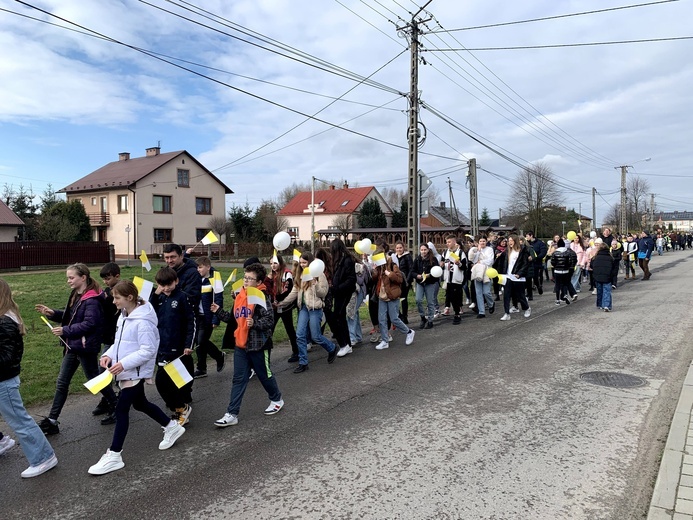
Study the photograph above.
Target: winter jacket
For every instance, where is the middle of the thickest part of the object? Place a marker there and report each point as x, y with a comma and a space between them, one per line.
176, 323
83, 323
260, 334
580, 252
423, 266
312, 296
281, 289
602, 264
392, 283
540, 249
207, 298
11, 347
646, 244
404, 263
521, 265
343, 281
110, 315
136, 343
616, 251
189, 282
563, 260
455, 270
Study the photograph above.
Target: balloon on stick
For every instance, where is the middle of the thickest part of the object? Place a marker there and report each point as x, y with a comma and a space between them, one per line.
281, 240
316, 268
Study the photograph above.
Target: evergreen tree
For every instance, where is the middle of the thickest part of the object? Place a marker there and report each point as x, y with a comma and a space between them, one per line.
65, 222
372, 215
399, 218
485, 219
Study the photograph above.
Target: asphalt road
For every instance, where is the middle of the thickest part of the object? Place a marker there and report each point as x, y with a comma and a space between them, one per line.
486, 420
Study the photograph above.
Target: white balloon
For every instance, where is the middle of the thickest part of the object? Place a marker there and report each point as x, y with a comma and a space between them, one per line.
366, 245
316, 268
281, 240
593, 234
436, 271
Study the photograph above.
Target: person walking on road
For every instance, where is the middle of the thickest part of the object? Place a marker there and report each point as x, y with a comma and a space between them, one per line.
645, 248
514, 264
602, 265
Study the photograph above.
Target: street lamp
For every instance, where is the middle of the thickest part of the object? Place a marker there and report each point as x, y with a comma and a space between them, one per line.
624, 169
127, 230
563, 224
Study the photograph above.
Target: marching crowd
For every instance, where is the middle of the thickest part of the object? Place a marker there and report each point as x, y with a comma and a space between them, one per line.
138, 341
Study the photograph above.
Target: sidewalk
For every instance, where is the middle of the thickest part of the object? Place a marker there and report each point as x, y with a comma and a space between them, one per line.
673, 492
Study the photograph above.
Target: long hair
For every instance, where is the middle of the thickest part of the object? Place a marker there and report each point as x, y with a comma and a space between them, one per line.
324, 255
298, 270
278, 274
339, 251
7, 304
92, 285
516, 243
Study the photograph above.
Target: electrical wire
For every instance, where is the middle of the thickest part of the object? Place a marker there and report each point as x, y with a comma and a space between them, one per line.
563, 45
371, 24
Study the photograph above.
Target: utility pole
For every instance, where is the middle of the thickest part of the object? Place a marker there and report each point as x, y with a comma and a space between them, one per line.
622, 226
473, 198
594, 208
652, 212
312, 216
500, 215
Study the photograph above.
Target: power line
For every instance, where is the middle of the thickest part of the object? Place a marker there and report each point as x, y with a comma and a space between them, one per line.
563, 45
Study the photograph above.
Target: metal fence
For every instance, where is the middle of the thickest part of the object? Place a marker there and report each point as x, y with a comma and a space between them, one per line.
21, 255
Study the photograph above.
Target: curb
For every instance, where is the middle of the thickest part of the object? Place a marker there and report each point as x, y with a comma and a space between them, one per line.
672, 498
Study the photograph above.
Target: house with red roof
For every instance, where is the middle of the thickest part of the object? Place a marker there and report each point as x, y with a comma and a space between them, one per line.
331, 209
146, 202
9, 224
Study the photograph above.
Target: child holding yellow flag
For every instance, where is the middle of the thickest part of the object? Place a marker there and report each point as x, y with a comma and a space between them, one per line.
207, 321
131, 360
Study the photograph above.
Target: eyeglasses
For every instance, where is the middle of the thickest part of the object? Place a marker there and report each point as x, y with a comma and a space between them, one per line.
249, 279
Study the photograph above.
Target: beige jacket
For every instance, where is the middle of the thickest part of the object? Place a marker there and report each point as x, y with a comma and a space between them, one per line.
313, 296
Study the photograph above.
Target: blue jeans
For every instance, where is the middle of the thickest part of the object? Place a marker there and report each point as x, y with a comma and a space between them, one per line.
32, 440
355, 333
575, 280
90, 366
243, 361
483, 292
390, 309
604, 295
428, 290
310, 319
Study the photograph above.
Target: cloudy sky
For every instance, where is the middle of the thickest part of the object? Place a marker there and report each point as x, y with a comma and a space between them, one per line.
76, 93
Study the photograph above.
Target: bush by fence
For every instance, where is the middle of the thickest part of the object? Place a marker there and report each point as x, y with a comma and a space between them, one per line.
18, 255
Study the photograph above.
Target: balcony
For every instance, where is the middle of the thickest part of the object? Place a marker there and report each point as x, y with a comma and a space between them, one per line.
99, 219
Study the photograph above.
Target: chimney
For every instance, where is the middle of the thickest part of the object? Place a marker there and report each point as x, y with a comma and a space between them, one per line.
153, 151
442, 204
346, 185
331, 186
123, 156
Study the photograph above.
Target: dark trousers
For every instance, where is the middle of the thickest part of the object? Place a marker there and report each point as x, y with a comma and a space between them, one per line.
454, 292
243, 361
205, 346
339, 326
404, 304
538, 276
173, 396
133, 397
614, 272
90, 366
563, 285
287, 317
516, 291
645, 266
528, 286
229, 340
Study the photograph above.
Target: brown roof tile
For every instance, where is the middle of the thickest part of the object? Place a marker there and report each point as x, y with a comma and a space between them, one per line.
9, 217
333, 201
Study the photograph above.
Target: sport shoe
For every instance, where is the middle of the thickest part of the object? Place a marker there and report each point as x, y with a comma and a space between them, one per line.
472, 305
423, 324
171, 434
274, 407
575, 297
566, 300
252, 373
446, 311
333, 354
35, 471
109, 419
221, 364
389, 338
346, 349
528, 312
382, 345
606, 309
558, 302
183, 414
513, 310
410, 337
437, 314
429, 324
457, 319
491, 309
101, 408
228, 420
48, 427
110, 461
199, 373
375, 338
505, 317
466, 301
594, 291
6, 444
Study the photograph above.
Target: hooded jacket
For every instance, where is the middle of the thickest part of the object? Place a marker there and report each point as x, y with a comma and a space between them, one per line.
602, 265
11, 347
313, 296
83, 323
136, 343
563, 260
176, 323
190, 282
392, 283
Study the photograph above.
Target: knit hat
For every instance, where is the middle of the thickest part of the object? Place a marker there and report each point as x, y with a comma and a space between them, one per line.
560, 243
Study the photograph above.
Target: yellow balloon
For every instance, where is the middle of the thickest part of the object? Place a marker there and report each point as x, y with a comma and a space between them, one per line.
491, 272
357, 247
501, 279
571, 235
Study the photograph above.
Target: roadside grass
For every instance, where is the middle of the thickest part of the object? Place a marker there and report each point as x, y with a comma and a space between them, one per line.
43, 351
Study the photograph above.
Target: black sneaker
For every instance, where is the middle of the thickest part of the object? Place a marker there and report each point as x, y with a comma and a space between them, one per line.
300, 368
332, 355
109, 419
458, 319
429, 324
293, 359
101, 408
480, 316
540, 290
491, 309
221, 364
49, 428
566, 300
423, 324
199, 373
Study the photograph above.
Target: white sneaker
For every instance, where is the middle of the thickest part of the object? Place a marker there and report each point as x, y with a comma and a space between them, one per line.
274, 407
472, 305
528, 312
171, 434
505, 317
6, 444
346, 349
228, 420
446, 311
35, 471
252, 373
436, 314
594, 291
382, 345
466, 300
389, 338
410, 337
514, 310
110, 461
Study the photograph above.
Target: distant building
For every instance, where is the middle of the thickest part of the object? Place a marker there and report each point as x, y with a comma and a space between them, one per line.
145, 202
674, 220
9, 224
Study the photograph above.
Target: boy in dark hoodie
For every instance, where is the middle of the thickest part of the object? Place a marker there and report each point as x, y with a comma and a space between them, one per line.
253, 331
177, 331
208, 321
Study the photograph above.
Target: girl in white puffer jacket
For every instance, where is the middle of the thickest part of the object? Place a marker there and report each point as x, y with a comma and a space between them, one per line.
131, 359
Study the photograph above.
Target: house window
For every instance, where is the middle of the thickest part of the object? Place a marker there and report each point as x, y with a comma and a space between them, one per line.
104, 204
345, 203
161, 204
293, 231
93, 201
200, 233
183, 178
122, 203
163, 235
203, 206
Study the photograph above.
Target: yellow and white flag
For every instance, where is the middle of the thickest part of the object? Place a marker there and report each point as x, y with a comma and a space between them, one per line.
145, 261
144, 287
274, 259
379, 259
237, 285
217, 283
178, 373
454, 256
231, 278
100, 382
209, 238
306, 276
256, 296
297, 255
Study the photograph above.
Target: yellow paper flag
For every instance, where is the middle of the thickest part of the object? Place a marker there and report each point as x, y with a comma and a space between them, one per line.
455, 257
256, 296
297, 255
144, 287
145, 261
218, 284
209, 238
178, 373
100, 382
237, 285
231, 278
306, 276
379, 259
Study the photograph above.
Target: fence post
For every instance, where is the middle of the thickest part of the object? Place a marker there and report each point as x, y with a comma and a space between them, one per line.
235, 251
111, 252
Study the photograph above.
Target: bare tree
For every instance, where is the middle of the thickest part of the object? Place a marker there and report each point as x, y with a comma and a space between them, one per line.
637, 190
534, 190
394, 197
343, 223
219, 225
